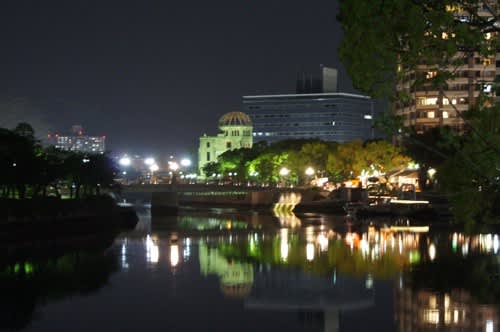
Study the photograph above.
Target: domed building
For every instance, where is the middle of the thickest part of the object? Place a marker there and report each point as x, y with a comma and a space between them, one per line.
235, 132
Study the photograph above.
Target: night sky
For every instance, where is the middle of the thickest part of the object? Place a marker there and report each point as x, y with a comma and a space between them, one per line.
155, 75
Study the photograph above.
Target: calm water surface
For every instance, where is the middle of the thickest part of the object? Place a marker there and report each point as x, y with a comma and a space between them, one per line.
228, 271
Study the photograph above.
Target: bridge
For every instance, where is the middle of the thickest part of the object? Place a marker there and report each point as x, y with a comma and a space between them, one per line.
168, 197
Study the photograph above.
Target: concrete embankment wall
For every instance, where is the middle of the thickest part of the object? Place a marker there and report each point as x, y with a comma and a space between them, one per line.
256, 198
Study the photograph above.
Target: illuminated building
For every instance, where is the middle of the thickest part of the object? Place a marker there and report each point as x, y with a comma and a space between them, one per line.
428, 107
317, 110
79, 142
235, 132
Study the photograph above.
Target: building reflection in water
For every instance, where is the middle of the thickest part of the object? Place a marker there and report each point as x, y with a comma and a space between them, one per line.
458, 310
235, 278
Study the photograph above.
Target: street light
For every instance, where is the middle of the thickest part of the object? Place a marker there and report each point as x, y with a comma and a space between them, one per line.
185, 162
309, 171
173, 165
125, 161
284, 171
149, 161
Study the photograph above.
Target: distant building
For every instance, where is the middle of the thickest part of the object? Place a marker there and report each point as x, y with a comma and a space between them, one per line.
235, 131
332, 116
78, 141
316, 110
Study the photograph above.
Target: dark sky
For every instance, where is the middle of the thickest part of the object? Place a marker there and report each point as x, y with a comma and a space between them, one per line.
155, 75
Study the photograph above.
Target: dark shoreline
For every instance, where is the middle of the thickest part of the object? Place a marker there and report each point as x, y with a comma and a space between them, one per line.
54, 220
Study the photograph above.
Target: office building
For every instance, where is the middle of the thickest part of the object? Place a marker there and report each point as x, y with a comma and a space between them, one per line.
316, 111
334, 116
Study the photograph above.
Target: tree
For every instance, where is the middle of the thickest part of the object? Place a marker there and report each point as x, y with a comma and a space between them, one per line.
347, 161
211, 168
383, 156
386, 39
27, 169
444, 35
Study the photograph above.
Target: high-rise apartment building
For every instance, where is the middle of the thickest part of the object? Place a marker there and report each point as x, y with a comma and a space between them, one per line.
430, 107
79, 141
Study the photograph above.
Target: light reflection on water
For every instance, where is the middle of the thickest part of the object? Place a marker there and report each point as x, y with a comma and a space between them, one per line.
306, 273
367, 253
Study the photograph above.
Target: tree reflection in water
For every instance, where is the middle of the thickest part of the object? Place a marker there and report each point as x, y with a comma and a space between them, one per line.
29, 282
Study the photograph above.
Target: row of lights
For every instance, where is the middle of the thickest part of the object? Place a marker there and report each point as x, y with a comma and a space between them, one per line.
125, 161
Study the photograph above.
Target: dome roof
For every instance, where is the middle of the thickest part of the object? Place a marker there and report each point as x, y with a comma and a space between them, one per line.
235, 119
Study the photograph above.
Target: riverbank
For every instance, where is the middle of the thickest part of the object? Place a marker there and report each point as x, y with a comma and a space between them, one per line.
51, 218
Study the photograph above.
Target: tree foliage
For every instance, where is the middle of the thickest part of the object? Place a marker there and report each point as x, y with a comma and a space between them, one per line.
384, 44
339, 161
385, 39
28, 170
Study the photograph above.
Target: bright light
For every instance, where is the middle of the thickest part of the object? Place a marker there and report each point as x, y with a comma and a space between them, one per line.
284, 244
431, 172
152, 250
284, 171
173, 165
323, 242
154, 168
149, 161
174, 255
432, 251
309, 171
185, 162
489, 325
310, 251
125, 161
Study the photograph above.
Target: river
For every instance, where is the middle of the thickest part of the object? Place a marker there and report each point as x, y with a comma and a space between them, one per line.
227, 270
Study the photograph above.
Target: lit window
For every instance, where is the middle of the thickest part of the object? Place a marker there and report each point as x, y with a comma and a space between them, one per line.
431, 74
430, 115
487, 36
425, 101
486, 61
432, 301
446, 101
431, 316
489, 325
445, 115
